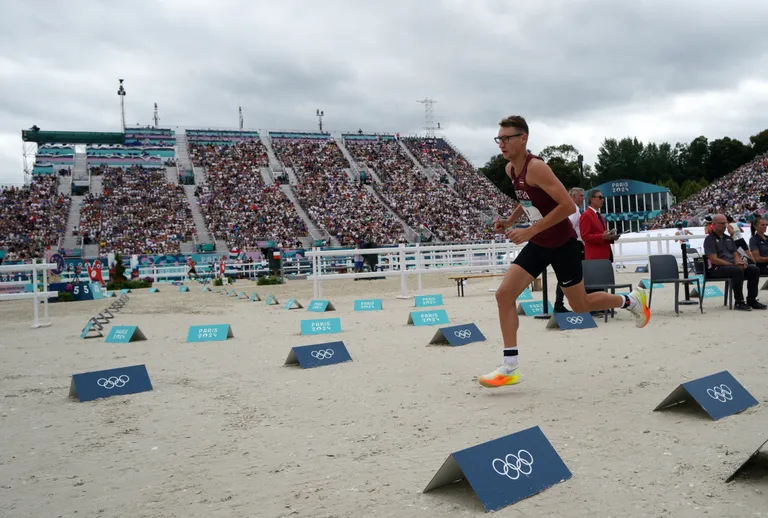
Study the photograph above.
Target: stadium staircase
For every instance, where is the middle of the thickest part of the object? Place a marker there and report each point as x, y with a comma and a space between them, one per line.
73, 220
203, 237
425, 171
170, 174
97, 185
80, 172
315, 232
274, 163
410, 235
91, 251
266, 175
353, 171
292, 179
182, 152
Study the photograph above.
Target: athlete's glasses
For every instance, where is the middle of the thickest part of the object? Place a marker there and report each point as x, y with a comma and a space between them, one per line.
505, 138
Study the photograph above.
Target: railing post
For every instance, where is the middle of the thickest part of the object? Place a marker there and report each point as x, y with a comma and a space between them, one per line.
315, 273
34, 290
403, 281
45, 290
419, 264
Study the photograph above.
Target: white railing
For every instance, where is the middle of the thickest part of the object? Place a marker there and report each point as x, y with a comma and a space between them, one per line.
482, 257
35, 295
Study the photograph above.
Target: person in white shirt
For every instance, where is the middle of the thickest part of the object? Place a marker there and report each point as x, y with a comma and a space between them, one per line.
577, 195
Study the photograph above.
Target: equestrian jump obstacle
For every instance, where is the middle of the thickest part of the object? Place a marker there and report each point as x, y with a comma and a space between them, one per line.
32, 270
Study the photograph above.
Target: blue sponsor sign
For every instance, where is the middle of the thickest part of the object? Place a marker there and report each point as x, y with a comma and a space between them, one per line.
711, 292
125, 334
124, 291
533, 308
425, 301
210, 333
110, 294
255, 297
318, 355
719, 395
320, 306
368, 305
642, 269
432, 317
96, 290
88, 386
462, 334
321, 326
205, 288
82, 291
153, 290
505, 470
570, 320
646, 283
526, 295
744, 466
272, 300
183, 288
92, 329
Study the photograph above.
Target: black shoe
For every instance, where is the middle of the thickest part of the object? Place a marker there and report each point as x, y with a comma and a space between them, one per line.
561, 309
740, 306
757, 305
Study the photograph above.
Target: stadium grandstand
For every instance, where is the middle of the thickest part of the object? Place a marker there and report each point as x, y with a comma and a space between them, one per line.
156, 190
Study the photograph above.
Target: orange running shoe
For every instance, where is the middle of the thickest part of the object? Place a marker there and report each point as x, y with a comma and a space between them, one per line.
503, 375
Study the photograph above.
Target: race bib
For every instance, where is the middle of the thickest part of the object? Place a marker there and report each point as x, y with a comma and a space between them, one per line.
532, 212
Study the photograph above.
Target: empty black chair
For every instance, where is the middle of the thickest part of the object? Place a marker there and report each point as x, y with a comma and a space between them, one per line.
727, 288
598, 276
664, 270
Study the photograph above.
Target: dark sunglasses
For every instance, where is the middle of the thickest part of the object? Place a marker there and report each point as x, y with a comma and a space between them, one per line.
599, 197
505, 138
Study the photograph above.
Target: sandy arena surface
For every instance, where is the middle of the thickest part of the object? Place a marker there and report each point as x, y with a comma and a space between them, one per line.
229, 431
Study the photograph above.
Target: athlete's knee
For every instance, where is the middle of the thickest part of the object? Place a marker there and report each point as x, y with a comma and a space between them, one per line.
505, 295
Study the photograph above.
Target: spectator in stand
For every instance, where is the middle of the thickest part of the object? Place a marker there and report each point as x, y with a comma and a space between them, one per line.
758, 245
139, 213
740, 193
331, 197
32, 217
725, 262
238, 206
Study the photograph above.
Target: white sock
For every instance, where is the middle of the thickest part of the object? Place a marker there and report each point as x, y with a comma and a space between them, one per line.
510, 358
631, 300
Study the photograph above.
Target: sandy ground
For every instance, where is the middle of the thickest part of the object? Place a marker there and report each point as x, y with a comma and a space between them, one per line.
229, 431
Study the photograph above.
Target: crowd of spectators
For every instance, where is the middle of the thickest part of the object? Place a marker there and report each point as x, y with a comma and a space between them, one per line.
470, 184
238, 206
32, 217
739, 194
138, 213
423, 203
333, 199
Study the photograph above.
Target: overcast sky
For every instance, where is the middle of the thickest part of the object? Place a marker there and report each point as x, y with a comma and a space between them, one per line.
578, 71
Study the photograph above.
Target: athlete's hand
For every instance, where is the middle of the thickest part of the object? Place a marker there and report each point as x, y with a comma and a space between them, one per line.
500, 225
519, 235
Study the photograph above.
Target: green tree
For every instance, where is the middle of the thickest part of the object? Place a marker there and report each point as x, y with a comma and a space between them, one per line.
725, 155
622, 159
494, 171
564, 162
759, 142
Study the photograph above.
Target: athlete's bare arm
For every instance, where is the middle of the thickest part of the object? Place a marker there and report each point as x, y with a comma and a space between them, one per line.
540, 175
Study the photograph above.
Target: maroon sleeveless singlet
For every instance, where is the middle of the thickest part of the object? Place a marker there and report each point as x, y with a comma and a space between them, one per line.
537, 204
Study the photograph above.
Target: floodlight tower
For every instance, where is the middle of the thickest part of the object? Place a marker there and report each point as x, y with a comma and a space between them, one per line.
157, 118
121, 93
240, 111
320, 114
429, 116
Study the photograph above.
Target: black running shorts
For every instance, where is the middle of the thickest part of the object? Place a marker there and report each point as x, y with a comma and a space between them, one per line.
565, 260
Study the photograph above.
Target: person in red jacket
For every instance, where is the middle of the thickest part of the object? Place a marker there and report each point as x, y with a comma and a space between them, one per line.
594, 230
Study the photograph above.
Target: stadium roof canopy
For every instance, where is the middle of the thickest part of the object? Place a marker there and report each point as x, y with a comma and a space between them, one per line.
71, 137
625, 187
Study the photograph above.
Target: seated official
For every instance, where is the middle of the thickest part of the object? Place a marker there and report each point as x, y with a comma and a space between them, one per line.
758, 245
725, 262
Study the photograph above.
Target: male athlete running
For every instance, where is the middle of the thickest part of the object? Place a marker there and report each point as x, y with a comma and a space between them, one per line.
551, 240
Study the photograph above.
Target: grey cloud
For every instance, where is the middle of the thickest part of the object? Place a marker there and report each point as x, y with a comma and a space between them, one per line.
364, 63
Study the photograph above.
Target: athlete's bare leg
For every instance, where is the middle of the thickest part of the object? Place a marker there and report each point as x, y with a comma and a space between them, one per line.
514, 283
583, 302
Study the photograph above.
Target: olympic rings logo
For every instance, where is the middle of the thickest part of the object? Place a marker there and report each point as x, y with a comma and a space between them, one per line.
574, 320
512, 466
721, 393
113, 381
322, 354
463, 333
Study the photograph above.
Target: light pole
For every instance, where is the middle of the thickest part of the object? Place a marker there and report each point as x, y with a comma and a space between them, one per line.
320, 114
121, 93
581, 171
